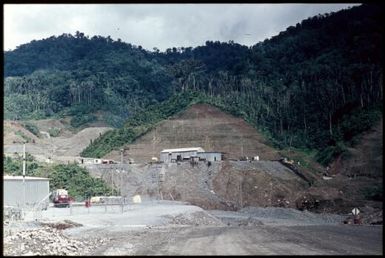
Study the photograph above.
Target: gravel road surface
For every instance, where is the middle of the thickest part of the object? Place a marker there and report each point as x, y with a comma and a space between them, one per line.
261, 240
177, 228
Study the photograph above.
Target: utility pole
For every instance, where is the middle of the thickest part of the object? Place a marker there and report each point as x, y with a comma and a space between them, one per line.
121, 155
271, 193
24, 159
240, 190
241, 146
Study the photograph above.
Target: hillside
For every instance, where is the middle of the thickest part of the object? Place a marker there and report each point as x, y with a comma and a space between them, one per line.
355, 178
229, 185
304, 87
201, 125
68, 142
362, 167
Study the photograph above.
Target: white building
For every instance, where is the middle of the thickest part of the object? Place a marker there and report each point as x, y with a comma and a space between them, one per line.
173, 155
180, 154
36, 190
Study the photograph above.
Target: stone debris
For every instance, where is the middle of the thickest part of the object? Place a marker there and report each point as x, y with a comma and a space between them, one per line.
198, 218
302, 217
46, 241
12, 213
62, 225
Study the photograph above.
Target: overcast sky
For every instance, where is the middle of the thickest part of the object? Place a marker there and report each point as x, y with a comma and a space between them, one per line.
157, 25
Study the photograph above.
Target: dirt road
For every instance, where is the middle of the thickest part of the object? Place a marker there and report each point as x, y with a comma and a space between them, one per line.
259, 240
176, 228
165, 228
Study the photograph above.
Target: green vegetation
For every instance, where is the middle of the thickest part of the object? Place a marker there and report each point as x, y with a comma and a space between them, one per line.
305, 157
54, 131
32, 128
330, 153
75, 179
348, 131
14, 166
316, 85
374, 193
78, 182
80, 120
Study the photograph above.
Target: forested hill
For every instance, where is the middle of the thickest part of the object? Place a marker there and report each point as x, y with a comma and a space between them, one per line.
317, 84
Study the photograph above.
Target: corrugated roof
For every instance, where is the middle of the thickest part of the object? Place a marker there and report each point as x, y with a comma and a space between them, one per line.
26, 178
199, 149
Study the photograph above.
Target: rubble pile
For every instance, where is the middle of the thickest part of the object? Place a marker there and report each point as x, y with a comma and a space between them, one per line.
62, 225
196, 218
11, 213
46, 241
302, 217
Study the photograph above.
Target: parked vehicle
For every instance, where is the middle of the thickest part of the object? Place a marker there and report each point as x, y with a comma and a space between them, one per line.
61, 198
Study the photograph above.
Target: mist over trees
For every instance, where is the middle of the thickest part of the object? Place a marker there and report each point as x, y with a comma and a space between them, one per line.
316, 85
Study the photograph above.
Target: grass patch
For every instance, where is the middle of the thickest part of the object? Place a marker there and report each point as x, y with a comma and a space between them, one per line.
305, 157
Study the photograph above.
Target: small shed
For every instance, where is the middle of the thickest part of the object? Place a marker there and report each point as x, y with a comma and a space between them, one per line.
180, 154
36, 190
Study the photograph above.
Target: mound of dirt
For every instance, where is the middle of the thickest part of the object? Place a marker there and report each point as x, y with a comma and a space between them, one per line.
303, 217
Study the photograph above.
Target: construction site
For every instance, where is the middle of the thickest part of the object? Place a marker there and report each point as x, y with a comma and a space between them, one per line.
201, 182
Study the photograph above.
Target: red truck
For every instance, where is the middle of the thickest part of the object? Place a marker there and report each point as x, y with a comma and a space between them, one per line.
61, 198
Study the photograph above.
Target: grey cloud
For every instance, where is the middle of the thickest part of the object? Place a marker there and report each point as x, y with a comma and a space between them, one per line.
157, 25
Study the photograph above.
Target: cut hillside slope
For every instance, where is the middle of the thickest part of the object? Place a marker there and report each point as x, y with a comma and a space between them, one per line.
357, 179
63, 125
13, 132
363, 169
68, 144
204, 126
365, 159
228, 185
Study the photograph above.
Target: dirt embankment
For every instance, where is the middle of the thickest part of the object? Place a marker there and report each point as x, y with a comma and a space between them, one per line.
201, 126
67, 144
356, 179
13, 132
228, 185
